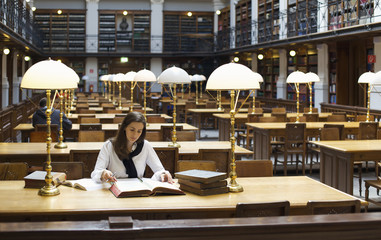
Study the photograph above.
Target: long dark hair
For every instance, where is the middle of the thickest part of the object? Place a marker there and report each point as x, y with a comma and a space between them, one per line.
119, 142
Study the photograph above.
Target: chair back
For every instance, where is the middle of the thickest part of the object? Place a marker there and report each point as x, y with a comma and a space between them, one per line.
84, 110
368, 130
166, 132
280, 117
169, 157
311, 117
337, 118
186, 135
90, 126
265, 209
87, 157
44, 127
211, 104
155, 119
307, 110
295, 134
184, 165
190, 105
340, 127
254, 117
90, 120
107, 105
73, 170
362, 118
40, 136
334, 207
153, 136
91, 136
220, 156
13, 171
301, 119
112, 110
268, 119
329, 134
254, 168
278, 110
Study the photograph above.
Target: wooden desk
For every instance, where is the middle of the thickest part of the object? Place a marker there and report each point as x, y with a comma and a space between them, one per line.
100, 109
264, 131
19, 204
109, 128
337, 157
35, 153
200, 114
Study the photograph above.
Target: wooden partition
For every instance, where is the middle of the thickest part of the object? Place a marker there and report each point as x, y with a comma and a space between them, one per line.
353, 111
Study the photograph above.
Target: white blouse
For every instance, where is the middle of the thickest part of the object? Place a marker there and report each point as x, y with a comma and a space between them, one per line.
108, 159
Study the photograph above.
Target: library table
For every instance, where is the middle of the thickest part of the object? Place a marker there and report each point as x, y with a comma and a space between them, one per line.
100, 109
35, 153
109, 128
263, 132
337, 157
20, 204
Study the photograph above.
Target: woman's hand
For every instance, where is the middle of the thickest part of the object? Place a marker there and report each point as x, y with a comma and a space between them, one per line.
166, 177
108, 176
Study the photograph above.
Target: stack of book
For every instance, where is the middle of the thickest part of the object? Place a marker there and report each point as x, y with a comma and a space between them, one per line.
202, 182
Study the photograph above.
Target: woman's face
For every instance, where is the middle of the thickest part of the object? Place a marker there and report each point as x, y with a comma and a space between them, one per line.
133, 131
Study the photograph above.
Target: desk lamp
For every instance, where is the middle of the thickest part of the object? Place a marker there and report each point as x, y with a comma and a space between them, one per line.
197, 78
260, 80
110, 87
145, 76
49, 75
312, 77
104, 79
118, 79
367, 78
203, 79
130, 78
173, 76
233, 77
297, 78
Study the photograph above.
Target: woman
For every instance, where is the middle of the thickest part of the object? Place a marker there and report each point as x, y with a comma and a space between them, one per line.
127, 154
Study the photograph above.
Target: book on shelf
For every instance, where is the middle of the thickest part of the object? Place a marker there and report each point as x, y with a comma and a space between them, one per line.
201, 176
37, 179
198, 185
136, 187
86, 184
205, 192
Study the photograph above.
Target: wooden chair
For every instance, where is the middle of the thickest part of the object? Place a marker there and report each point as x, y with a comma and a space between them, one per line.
90, 120
40, 136
91, 136
169, 156
334, 207
311, 117
90, 126
186, 135
254, 168
337, 118
307, 110
294, 144
265, 209
118, 119
85, 116
87, 157
278, 110
188, 115
155, 119
280, 117
107, 105
220, 156
376, 183
73, 170
85, 111
301, 119
338, 126
166, 132
362, 118
44, 127
13, 171
243, 136
267, 119
153, 136
183, 165
111, 110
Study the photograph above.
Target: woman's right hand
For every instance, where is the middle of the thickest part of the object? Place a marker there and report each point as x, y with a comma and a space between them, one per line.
108, 176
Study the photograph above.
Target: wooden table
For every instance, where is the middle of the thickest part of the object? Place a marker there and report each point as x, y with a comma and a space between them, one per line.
35, 153
100, 109
109, 128
19, 204
264, 131
337, 157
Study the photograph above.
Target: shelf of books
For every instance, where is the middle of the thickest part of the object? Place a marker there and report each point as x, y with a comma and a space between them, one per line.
141, 29
243, 23
223, 35
269, 69
78, 65
64, 32
188, 33
268, 20
301, 17
332, 77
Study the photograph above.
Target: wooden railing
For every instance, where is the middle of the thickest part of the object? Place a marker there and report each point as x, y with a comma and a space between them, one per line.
350, 110
290, 105
15, 114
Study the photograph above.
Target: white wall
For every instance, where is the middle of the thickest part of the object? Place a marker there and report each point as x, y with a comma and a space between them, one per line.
125, 5
59, 4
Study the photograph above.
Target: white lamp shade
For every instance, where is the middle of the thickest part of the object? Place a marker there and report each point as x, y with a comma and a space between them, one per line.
198, 78
104, 78
145, 76
111, 77
49, 74
85, 77
174, 75
366, 77
130, 76
297, 77
376, 80
259, 77
312, 77
233, 76
119, 77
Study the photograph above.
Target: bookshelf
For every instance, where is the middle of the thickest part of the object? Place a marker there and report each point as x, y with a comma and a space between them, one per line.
63, 32
223, 36
118, 32
268, 67
305, 61
302, 17
78, 65
268, 20
188, 33
243, 23
332, 77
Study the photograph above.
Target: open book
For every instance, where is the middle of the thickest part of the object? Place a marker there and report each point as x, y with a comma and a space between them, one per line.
86, 184
135, 187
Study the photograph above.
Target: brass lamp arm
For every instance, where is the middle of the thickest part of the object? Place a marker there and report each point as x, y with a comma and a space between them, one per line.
215, 99
252, 91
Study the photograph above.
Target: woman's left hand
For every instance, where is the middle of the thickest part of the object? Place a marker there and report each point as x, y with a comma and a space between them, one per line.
166, 177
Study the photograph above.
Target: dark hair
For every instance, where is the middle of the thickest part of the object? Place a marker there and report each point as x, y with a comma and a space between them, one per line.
43, 102
119, 142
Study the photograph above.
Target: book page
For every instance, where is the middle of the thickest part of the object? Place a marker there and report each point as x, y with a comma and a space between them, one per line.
87, 184
131, 185
155, 184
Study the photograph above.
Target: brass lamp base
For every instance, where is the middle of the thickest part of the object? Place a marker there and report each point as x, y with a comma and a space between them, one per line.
174, 144
49, 191
235, 187
60, 145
